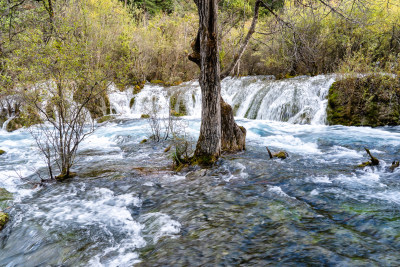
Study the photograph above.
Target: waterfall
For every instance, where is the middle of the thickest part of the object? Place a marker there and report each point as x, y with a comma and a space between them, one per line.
4, 127
299, 100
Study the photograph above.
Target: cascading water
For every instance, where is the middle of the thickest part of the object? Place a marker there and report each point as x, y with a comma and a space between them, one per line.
300, 100
126, 207
4, 127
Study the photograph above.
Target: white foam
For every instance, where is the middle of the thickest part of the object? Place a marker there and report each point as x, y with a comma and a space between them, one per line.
277, 190
364, 178
320, 179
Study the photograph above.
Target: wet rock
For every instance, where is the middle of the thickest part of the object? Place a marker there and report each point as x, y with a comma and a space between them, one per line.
196, 174
167, 149
2, 152
5, 195
394, 165
3, 219
104, 118
279, 155
145, 116
372, 100
143, 141
132, 102
63, 177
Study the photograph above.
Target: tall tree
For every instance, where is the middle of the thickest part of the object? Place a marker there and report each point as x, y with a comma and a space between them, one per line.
209, 145
219, 131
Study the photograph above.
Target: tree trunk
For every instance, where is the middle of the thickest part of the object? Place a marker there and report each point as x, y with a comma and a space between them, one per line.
218, 131
233, 135
208, 147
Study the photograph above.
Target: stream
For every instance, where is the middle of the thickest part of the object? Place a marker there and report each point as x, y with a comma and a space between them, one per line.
127, 207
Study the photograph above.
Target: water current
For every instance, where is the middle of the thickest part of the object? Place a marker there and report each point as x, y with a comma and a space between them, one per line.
126, 207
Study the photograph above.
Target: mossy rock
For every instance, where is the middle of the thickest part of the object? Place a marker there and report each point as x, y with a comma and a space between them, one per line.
132, 102
176, 114
145, 116
395, 164
280, 155
156, 82
2, 152
98, 106
5, 198
372, 100
64, 176
143, 141
5, 195
27, 117
138, 87
104, 119
3, 219
173, 83
178, 109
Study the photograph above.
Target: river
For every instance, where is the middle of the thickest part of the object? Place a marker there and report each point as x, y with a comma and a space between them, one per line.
126, 207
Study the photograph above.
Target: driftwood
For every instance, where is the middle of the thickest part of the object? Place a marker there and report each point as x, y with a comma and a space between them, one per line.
279, 155
374, 161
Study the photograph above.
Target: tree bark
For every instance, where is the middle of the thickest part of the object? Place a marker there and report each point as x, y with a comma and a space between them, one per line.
208, 147
233, 136
219, 131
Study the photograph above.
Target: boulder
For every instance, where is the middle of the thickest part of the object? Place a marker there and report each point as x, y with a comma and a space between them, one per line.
3, 219
279, 155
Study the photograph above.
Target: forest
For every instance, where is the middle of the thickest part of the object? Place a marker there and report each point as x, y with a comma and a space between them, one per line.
199, 132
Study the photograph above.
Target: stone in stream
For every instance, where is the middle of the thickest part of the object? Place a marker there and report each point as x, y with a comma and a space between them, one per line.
2, 152
395, 164
3, 219
279, 155
5, 195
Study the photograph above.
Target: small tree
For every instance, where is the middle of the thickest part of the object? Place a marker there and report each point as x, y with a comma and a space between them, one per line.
62, 81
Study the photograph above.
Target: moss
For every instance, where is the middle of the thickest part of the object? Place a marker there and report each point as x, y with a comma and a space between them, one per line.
104, 118
3, 219
365, 164
172, 102
235, 109
28, 117
5, 195
173, 83
132, 102
281, 155
204, 160
156, 82
143, 141
138, 87
64, 176
182, 107
145, 116
176, 114
372, 100
2, 152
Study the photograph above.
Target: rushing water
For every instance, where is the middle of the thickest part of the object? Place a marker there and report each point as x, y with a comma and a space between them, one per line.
127, 207
300, 100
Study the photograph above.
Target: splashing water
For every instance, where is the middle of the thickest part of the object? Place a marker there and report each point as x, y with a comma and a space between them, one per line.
300, 100
126, 207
